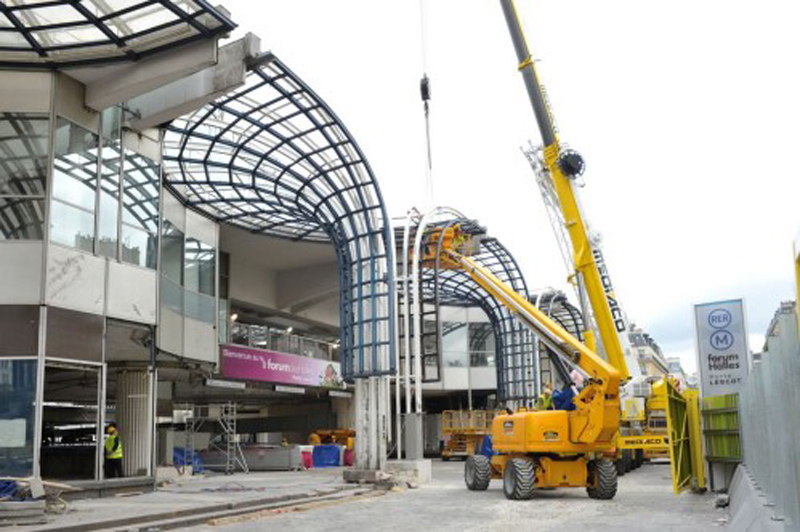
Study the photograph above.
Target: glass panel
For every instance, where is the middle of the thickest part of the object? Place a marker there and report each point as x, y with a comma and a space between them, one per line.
171, 295
75, 165
17, 416
138, 247
140, 192
258, 336
200, 265
23, 153
21, 219
71, 226
199, 306
240, 334
111, 119
109, 200
75, 335
127, 342
454, 344
172, 253
19, 330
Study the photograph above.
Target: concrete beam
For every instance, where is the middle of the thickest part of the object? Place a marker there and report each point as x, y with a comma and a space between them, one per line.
191, 93
135, 79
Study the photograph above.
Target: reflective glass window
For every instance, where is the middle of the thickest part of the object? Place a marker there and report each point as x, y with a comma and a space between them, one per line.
108, 227
71, 226
21, 218
140, 192
23, 153
138, 247
200, 264
17, 416
75, 165
111, 121
140, 189
172, 253
75, 335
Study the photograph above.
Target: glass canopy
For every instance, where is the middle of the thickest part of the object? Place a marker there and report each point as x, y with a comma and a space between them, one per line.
61, 33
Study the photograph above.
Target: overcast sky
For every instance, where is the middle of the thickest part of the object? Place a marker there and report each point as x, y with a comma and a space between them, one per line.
686, 112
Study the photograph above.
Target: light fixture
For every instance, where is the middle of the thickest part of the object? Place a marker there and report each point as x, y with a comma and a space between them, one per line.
289, 330
234, 317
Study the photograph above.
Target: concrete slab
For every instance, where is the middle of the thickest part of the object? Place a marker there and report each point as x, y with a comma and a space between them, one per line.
419, 471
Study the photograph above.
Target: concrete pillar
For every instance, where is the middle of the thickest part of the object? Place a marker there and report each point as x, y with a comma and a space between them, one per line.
134, 417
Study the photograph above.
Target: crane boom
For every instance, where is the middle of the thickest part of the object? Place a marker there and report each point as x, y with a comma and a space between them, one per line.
564, 166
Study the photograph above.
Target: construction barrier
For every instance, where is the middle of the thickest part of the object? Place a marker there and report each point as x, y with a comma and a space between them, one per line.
770, 424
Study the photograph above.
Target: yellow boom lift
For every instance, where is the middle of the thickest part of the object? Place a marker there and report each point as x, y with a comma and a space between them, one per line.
556, 448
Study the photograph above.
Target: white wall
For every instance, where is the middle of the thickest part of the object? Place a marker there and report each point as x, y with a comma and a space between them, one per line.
253, 283
20, 273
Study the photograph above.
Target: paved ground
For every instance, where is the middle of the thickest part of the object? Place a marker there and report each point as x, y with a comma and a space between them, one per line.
198, 493
644, 502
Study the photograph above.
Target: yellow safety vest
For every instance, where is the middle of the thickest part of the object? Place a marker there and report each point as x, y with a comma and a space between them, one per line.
545, 402
113, 447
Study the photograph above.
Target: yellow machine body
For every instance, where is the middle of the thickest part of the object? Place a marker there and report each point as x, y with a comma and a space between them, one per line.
547, 431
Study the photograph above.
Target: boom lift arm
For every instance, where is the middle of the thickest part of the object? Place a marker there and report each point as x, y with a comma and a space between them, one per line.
597, 406
564, 165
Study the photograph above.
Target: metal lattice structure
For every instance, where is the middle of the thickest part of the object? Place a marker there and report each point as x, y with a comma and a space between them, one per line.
69, 33
555, 304
515, 359
271, 157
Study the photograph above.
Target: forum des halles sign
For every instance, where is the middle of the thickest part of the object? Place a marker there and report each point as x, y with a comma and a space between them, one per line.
722, 349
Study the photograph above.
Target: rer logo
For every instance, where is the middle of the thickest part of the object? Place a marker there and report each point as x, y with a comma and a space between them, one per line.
719, 318
721, 340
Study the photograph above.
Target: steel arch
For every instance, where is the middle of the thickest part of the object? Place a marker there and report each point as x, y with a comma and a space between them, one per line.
272, 157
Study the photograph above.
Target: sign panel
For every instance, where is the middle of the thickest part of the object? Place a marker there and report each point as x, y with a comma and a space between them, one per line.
239, 362
722, 349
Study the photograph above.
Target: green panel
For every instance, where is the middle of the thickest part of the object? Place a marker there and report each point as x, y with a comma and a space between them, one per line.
679, 442
721, 428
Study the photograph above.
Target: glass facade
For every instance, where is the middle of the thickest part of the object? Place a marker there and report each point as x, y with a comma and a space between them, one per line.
188, 275
277, 339
115, 216
24, 141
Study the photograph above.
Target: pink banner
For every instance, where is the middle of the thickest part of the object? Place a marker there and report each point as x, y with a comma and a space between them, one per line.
240, 362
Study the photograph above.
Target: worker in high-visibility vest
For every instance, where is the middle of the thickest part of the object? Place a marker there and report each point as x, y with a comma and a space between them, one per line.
113, 445
545, 400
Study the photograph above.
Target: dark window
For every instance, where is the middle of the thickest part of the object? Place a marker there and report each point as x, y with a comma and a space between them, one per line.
19, 330
17, 416
74, 335
127, 342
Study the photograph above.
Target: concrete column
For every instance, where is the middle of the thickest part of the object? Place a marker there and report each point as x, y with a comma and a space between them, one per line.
134, 417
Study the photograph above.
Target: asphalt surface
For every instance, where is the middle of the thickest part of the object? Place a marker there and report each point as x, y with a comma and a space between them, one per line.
644, 502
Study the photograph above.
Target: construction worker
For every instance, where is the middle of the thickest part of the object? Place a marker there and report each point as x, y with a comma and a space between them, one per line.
545, 400
113, 464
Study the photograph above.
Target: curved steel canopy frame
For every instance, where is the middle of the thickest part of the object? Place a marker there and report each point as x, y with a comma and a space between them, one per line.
515, 360
271, 157
71, 33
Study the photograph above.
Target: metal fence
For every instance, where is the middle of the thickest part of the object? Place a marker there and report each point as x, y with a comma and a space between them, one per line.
770, 418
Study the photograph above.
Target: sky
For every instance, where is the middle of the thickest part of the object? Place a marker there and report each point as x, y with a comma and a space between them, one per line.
687, 114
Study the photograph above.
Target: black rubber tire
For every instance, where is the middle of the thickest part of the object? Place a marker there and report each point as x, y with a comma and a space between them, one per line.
619, 465
477, 472
519, 478
604, 474
627, 460
638, 457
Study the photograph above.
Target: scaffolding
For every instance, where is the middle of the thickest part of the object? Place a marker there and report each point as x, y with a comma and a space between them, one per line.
227, 444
